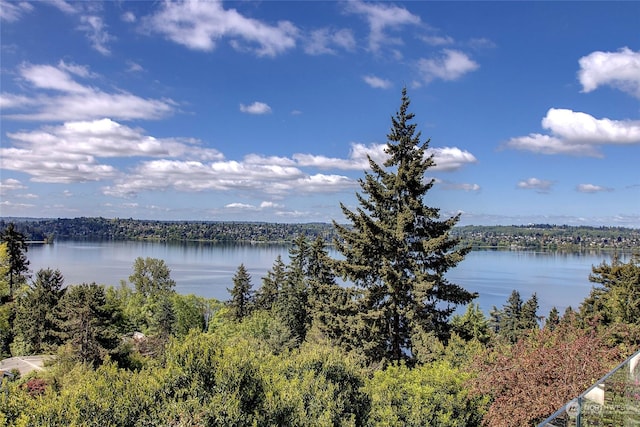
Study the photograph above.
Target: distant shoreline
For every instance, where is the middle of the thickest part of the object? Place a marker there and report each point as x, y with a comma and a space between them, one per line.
515, 237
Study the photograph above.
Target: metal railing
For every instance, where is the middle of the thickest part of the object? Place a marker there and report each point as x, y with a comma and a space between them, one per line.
613, 401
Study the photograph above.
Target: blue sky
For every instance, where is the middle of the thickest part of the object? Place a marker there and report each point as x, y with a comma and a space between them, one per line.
266, 111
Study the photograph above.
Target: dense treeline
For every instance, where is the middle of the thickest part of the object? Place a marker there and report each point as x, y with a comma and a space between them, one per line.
532, 237
549, 237
131, 229
369, 339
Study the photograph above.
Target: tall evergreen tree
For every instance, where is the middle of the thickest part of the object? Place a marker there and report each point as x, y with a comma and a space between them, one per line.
16, 249
510, 317
241, 302
87, 323
36, 324
397, 249
267, 295
529, 314
553, 319
293, 302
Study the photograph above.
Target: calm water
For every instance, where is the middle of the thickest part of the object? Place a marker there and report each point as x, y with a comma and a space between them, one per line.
559, 279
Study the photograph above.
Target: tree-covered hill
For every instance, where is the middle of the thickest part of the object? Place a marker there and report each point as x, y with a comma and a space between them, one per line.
532, 237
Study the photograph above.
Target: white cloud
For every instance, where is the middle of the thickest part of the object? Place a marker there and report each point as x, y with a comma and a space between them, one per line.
450, 158
63, 6
325, 41
239, 206
134, 67
11, 11
591, 188
129, 17
377, 82
545, 144
256, 108
578, 134
199, 25
540, 185
452, 65
10, 184
107, 138
619, 69
461, 186
446, 158
46, 166
381, 17
193, 176
96, 32
270, 205
73, 100
437, 40
576, 127
68, 153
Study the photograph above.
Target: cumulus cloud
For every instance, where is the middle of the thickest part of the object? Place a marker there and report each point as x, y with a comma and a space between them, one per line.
539, 185
377, 82
73, 100
450, 158
199, 25
576, 127
192, 176
591, 188
577, 134
451, 65
256, 108
619, 69
69, 153
446, 158
325, 41
382, 17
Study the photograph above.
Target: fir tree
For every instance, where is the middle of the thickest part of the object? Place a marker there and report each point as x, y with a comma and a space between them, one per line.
268, 294
241, 303
18, 263
510, 316
293, 301
37, 320
397, 249
553, 320
529, 314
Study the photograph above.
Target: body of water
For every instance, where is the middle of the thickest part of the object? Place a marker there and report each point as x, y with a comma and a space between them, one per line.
559, 279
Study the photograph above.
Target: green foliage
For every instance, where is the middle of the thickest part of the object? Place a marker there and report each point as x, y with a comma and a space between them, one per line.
267, 295
36, 327
516, 318
293, 301
16, 250
87, 324
242, 298
553, 319
472, 324
428, 395
151, 276
617, 299
397, 249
